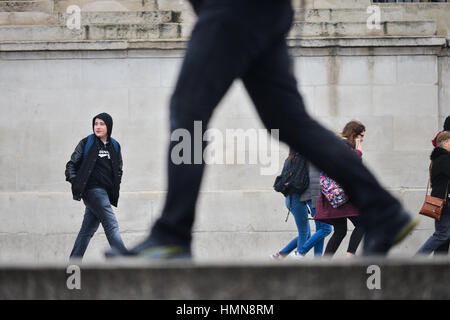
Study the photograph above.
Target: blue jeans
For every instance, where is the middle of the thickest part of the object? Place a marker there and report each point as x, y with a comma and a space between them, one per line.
300, 213
317, 240
98, 210
441, 234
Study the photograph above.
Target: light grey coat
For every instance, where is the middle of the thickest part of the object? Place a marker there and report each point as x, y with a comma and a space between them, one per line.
313, 190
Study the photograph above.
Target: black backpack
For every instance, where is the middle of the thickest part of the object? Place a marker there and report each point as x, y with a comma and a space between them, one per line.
294, 177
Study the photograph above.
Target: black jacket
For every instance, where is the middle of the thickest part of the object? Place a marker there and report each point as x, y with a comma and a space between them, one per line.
196, 4
78, 170
440, 172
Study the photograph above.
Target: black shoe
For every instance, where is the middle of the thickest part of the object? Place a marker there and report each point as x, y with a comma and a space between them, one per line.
148, 249
380, 239
116, 252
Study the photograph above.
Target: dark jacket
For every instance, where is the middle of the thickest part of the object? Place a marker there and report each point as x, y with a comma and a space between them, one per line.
196, 4
440, 172
78, 170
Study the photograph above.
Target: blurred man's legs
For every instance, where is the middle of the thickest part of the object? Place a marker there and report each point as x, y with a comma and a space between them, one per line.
224, 42
233, 39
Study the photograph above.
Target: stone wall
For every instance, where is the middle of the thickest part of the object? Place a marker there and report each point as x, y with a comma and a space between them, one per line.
48, 100
398, 86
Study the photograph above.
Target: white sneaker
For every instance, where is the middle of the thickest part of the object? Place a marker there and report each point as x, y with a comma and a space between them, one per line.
297, 255
277, 256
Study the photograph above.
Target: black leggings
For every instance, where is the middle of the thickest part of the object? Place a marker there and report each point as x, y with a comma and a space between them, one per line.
340, 231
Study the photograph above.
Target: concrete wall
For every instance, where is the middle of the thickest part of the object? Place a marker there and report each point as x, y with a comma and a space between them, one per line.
48, 100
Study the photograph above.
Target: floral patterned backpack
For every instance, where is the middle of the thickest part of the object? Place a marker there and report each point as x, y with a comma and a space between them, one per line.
332, 191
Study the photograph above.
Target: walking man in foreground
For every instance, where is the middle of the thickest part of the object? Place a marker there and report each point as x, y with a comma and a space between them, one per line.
245, 39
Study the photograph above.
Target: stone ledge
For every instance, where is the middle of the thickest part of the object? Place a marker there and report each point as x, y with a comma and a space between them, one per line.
418, 278
182, 43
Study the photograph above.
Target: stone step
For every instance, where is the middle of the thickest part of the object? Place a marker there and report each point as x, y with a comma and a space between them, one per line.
106, 5
360, 279
128, 17
40, 33
133, 31
176, 31
387, 13
27, 6
28, 18
360, 29
318, 4
91, 32
87, 18
347, 15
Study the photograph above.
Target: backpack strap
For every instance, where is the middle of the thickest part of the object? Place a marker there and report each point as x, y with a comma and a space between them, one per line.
115, 144
89, 143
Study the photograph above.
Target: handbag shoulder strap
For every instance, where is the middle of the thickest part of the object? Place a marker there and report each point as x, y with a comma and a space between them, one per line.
446, 193
429, 177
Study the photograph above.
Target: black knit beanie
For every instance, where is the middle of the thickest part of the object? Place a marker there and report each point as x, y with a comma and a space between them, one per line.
108, 121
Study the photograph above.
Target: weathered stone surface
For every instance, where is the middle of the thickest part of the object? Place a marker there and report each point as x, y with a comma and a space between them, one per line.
27, 6
106, 5
40, 33
124, 17
91, 32
27, 18
359, 29
398, 86
399, 279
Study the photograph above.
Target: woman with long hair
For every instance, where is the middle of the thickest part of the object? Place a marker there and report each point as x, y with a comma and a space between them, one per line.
353, 135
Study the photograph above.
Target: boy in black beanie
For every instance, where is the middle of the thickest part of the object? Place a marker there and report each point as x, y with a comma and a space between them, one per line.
95, 172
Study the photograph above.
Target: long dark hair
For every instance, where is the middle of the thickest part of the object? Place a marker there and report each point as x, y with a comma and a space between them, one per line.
351, 130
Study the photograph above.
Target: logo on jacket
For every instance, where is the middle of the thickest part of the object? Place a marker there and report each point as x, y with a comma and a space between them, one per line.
104, 153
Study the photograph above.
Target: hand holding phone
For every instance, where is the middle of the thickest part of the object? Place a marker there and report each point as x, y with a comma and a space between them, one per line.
358, 144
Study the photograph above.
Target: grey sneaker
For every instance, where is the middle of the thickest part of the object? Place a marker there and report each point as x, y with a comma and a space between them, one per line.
150, 250
380, 239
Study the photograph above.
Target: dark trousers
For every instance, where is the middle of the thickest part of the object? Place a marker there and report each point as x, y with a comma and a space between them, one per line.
246, 39
441, 234
98, 210
339, 233
443, 248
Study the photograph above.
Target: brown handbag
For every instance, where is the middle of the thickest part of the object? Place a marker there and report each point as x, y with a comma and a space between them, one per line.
432, 207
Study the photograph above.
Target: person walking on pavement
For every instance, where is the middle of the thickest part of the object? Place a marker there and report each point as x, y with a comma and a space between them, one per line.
95, 173
301, 206
244, 39
443, 248
353, 134
440, 178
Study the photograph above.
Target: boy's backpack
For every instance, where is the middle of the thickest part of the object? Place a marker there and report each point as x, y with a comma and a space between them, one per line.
90, 142
332, 191
294, 177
